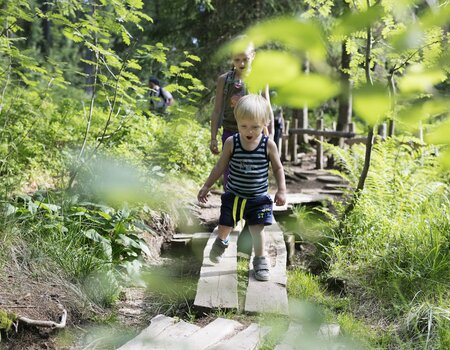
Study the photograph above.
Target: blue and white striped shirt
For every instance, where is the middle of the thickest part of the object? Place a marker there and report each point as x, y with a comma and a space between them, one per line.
249, 170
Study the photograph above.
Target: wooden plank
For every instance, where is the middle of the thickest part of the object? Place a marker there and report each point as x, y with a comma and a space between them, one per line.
179, 330
212, 334
149, 334
325, 133
329, 330
249, 339
300, 198
172, 337
331, 179
217, 286
270, 296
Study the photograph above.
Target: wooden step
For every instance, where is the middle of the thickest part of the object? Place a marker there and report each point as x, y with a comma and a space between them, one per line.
217, 286
213, 333
166, 333
248, 339
270, 296
148, 335
331, 179
300, 198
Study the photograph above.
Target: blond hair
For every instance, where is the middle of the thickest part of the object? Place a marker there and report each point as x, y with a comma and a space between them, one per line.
253, 107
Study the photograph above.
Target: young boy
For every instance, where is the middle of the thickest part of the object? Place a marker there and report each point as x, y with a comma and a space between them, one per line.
248, 154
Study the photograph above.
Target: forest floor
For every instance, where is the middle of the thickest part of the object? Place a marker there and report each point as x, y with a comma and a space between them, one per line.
26, 292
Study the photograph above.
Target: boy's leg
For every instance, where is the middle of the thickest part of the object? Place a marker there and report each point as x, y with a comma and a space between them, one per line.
257, 232
244, 243
260, 261
220, 243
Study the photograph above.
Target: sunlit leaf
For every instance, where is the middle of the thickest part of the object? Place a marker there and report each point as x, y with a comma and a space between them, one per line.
445, 158
440, 135
96, 237
371, 103
310, 89
354, 22
419, 80
410, 37
275, 68
294, 34
422, 111
436, 18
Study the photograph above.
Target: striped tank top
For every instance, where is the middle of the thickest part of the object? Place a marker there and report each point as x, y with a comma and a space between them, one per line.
249, 170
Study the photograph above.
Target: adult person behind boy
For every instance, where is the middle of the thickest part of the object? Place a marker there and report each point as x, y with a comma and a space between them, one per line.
247, 154
160, 98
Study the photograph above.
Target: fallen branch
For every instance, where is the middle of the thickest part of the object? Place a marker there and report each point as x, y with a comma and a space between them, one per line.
41, 323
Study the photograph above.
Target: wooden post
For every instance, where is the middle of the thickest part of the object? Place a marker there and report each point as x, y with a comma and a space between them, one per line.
319, 156
293, 143
382, 128
420, 132
284, 150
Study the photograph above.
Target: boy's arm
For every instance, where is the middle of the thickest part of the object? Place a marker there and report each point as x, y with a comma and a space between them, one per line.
271, 126
215, 116
278, 172
217, 171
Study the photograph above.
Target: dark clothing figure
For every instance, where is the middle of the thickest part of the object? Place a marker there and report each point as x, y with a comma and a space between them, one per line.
160, 98
278, 124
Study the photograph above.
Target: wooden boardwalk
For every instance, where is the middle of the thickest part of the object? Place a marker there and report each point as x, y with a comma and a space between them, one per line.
167, 333
270, 296
217, 286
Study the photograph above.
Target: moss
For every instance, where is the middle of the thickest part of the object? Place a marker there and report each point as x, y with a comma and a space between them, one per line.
6, 320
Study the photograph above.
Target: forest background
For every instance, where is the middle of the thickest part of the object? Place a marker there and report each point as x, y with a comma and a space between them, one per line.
84, 164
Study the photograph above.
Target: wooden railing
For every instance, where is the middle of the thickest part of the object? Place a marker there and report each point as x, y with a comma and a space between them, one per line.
288, 143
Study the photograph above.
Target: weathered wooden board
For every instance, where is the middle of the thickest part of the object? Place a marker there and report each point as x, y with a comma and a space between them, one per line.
213, 333
300, 198
148, 336
173, 337
248, 339
270, 296
217, 286
331, 179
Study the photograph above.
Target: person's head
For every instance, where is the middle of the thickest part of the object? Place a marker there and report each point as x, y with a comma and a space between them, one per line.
252, 113
153, 82
242, 60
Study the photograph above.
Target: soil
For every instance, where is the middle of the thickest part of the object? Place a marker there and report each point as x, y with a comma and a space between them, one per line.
25, 292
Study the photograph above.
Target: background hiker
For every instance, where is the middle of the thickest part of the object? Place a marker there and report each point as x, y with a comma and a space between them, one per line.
230, 88
160, 98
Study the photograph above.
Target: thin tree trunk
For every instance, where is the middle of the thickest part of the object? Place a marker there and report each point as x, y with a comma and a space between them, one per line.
369, 143
345, 101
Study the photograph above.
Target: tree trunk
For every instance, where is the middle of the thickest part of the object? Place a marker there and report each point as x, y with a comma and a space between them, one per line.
345, 98
369, 143
46, 42
344, 117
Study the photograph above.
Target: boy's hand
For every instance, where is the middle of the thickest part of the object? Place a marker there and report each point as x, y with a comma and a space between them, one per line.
280, 198
202, 195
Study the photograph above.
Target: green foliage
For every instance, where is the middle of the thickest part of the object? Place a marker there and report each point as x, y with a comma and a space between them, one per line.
182, 147
82, 237
6, 321
394, 244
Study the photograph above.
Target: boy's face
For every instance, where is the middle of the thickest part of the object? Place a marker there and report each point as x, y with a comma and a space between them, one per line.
243, 61
250, 129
